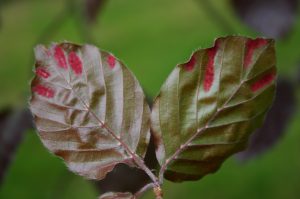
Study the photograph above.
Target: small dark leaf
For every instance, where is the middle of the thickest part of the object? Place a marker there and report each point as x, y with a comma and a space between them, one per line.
89, 109
92, 8
209, 106
13, 125
272, 18
276, 121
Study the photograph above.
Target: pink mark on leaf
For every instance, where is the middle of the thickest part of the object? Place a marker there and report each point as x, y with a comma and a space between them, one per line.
111, 60
60, 58
264, 81
41, 72
209, 72
43, 91
75, 63
251, 46
189, 66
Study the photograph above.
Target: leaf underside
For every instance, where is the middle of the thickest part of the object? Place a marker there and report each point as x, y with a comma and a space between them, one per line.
209, 106
88, 108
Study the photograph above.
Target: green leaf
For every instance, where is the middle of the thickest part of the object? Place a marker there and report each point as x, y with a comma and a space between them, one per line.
209, 106
89, 109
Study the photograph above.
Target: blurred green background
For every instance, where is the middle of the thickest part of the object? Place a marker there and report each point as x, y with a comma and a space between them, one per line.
151, 37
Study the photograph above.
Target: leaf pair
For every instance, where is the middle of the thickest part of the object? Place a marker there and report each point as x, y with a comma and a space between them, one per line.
90, 110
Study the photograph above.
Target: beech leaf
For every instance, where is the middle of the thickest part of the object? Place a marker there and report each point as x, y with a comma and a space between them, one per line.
208, 107
89, 109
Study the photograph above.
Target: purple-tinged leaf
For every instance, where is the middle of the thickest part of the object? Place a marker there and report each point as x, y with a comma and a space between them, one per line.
271, 18
89, 110
276, 121
206, 111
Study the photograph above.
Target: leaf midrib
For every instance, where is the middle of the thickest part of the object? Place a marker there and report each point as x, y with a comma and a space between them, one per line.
137, 159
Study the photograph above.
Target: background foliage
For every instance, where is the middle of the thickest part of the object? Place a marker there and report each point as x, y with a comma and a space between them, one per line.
151, 37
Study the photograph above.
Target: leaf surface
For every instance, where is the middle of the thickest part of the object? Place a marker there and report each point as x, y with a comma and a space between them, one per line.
89, 109
209, 106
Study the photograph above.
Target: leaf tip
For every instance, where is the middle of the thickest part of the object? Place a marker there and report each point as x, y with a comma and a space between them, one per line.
251, 46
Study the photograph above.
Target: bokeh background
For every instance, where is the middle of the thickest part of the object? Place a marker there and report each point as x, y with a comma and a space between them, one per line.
151, 37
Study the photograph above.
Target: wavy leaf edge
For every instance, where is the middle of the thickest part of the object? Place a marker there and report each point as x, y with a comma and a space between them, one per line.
67, 56
260, 85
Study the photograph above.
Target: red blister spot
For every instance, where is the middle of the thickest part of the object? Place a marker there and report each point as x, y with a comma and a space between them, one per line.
41, 72
75, 63
251, 46
111, 60
264, 81
210, 71
60, 58
43, 91
189, 66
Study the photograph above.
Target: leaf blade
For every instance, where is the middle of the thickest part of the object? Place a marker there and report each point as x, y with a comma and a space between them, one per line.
81, 109
223, 89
